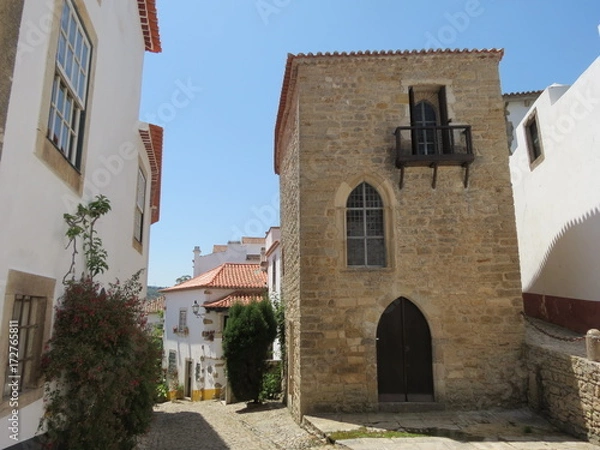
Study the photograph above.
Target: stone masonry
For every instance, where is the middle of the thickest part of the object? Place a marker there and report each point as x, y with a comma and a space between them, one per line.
10, 18
452, 250
564, 385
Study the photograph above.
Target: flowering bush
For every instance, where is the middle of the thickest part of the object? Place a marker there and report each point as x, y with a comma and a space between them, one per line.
102, 368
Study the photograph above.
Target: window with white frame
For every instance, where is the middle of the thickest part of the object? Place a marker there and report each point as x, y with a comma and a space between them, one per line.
140, 202
70, 86
365, 227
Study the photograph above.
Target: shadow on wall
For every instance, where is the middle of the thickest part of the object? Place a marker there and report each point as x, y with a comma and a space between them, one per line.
567, 283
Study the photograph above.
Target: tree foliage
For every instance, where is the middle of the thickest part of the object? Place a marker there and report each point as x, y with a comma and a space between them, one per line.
82, 225
102, 368
250, 331
101, 365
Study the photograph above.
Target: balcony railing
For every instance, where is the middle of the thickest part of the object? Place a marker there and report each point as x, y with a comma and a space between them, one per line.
434, 146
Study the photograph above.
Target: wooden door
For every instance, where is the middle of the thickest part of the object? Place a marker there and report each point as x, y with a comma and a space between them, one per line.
404, 362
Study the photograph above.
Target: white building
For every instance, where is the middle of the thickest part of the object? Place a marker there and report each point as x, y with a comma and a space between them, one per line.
247, 250
195, 316
70, 86
271, 264
554, 170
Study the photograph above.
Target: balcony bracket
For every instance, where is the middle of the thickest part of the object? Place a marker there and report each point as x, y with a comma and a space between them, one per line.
401, 182
466, 179
434, 178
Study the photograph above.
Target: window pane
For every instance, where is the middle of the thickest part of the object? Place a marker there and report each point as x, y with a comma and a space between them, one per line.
78, 41
64, 20
375, 252
372, 198
374, 222
62, 44
355, 223
141, 190
72, 31
356, 252
138, 225
84, 57
355, 200
81, 85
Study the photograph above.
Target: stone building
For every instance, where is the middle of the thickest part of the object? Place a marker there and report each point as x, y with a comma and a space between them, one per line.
400, 261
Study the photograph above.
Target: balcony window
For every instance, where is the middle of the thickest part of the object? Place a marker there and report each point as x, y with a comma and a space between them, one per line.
430, 140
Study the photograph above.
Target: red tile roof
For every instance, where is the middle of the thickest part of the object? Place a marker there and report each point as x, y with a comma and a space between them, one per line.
153, 143
289, 78
522, 94
149, 20
226, 276
226, 302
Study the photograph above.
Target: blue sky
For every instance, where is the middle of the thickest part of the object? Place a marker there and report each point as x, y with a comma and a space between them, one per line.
215, 89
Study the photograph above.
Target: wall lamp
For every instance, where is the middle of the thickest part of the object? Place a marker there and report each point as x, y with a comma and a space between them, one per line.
196, 309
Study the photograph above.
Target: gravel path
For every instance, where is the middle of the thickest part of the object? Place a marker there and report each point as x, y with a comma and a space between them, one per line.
211, 425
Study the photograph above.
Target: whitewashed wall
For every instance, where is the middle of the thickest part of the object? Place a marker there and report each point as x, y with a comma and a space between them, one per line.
32, 198
557, 202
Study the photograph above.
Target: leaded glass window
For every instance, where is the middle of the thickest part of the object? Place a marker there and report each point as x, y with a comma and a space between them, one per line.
365, 228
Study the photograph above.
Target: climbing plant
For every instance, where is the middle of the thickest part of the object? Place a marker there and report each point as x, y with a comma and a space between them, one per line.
81, 225
101, 365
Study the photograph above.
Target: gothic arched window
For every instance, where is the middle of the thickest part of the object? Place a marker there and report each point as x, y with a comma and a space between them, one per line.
365, 238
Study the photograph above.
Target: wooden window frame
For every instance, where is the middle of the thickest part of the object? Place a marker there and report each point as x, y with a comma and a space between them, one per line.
535, 150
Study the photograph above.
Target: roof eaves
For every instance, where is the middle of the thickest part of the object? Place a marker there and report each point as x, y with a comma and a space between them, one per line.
152, 137
149, 23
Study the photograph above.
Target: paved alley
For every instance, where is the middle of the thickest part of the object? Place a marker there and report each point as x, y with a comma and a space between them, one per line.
211, 425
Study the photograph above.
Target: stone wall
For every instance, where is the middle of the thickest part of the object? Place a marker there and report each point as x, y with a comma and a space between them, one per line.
566, 389
10, 21
451, 250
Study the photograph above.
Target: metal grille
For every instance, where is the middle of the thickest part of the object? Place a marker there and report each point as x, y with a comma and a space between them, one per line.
365, 227
28, 313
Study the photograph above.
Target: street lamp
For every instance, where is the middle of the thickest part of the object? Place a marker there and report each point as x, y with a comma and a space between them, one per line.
196, 309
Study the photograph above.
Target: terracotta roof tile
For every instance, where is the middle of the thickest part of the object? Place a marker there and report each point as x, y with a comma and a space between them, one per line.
289, 80
152, 137
149, 22
522, 94
226, 276
226, 302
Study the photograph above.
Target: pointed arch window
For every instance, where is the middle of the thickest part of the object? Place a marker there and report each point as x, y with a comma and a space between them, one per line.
365, 238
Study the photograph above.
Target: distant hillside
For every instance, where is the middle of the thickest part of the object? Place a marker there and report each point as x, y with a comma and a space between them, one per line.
152, 292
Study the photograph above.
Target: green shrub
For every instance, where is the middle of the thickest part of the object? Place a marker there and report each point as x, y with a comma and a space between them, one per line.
271, 383
102, 369
250, 331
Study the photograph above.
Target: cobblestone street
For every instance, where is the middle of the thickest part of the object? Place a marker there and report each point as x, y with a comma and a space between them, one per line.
211, 425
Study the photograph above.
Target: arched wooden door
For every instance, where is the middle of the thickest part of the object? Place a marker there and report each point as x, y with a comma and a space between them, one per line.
404, 363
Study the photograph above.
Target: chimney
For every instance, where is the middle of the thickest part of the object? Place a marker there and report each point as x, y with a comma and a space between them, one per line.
195, 261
